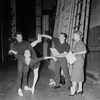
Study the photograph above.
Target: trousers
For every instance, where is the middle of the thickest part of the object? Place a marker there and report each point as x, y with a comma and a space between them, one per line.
22, 74
61, 63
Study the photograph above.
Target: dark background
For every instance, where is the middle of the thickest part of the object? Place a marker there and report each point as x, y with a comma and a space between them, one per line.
25, 22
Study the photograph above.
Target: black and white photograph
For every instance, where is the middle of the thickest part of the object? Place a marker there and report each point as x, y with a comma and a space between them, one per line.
49, 49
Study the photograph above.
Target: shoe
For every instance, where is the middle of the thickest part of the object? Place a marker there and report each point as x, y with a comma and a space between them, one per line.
73, 94
80, 92
20, 92
27, 88
56, 87
68, 88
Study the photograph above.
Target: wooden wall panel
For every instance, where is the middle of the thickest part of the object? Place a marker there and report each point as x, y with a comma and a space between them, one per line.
99, 35
93, 55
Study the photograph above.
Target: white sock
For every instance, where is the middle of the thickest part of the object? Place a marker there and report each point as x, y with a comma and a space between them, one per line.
20, 92
32, 90
79, 87
27, 88
73, 88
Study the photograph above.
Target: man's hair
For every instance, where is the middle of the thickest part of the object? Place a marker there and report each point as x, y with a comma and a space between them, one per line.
65, 35
18, 33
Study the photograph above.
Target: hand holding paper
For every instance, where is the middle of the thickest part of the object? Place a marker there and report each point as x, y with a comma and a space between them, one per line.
71, 57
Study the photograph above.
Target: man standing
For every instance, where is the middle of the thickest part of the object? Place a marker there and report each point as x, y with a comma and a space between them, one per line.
20, 46
63, 48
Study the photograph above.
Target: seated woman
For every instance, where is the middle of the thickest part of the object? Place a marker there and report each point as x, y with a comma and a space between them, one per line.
34, 64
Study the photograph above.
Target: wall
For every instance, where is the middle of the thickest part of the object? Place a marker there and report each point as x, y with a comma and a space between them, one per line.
95, 13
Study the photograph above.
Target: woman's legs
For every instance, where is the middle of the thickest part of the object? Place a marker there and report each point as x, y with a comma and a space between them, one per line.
25, 74
19, 77
73, 88
79, 87
35, 79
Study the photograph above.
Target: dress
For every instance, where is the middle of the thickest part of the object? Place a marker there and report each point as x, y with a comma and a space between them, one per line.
77, 74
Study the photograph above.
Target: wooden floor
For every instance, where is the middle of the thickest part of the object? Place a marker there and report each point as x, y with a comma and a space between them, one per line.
8, 89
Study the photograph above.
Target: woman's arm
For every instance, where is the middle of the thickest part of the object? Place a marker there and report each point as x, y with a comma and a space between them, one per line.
54, 39
16, 54
51, 57
46, 36
12, 51
62, 55
81, 52
33, 44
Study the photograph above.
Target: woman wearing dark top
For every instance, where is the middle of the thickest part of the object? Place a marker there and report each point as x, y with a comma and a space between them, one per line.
32, 63
29, 62
63, 48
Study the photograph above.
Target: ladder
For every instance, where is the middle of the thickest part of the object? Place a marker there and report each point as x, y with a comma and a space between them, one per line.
71, 16
62, 20
80, 19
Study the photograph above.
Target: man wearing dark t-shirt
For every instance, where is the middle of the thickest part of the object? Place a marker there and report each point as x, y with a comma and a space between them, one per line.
63, 48
20, 46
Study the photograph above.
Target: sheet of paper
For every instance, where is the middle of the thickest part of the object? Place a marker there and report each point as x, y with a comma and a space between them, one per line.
70, 58
54, 51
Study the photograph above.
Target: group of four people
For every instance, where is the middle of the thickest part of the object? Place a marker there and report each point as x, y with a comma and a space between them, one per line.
27, 58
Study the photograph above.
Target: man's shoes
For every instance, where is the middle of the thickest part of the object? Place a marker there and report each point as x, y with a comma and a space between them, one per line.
68, 88
20, 92
56, 87
62, 80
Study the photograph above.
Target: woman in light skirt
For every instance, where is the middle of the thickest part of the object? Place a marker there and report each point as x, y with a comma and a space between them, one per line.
77, 75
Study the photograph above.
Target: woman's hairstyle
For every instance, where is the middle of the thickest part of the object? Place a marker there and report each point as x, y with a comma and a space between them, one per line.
29, 51
79, 33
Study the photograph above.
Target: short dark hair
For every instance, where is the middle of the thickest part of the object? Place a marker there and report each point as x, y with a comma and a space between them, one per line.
65, 35
29, 51
18, 33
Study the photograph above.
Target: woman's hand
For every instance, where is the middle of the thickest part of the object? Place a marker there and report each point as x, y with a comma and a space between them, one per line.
81, 52
39, 37
46, 36
34, 43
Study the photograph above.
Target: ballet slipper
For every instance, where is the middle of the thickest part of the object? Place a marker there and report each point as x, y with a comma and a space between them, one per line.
20, 92
27, 88
32, 90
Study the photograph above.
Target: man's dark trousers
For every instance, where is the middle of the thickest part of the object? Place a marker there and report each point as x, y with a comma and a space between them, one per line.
22, 74
61, 63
